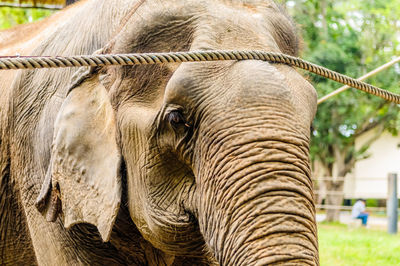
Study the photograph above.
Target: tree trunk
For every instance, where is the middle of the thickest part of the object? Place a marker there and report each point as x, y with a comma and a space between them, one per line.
317, 192
335, 184
318, 172
323, 6
334, 198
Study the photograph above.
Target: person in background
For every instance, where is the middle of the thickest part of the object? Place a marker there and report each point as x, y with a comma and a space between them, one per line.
358, 211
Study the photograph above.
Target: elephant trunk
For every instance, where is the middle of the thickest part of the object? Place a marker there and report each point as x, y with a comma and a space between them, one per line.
259, 208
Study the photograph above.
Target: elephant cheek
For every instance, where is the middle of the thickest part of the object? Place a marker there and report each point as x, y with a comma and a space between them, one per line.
158, 211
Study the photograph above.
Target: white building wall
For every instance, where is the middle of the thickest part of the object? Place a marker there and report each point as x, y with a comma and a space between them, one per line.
369, 177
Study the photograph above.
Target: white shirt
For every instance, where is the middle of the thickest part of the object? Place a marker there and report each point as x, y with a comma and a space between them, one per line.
358, 208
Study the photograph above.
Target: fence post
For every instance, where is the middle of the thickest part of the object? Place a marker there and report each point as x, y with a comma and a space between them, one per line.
392, 203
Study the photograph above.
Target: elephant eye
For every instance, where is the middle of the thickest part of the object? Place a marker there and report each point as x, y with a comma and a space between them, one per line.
175, 118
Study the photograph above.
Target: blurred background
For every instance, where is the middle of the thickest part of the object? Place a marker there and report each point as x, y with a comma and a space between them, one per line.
355, 143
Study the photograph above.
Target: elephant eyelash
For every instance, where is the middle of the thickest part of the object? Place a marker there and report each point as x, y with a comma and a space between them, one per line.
176, 118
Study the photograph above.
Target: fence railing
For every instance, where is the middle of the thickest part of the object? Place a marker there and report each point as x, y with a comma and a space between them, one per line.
348, 208
381, 193
391, 209
327, 178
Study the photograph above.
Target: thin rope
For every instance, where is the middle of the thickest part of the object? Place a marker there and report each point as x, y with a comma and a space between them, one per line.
195, 56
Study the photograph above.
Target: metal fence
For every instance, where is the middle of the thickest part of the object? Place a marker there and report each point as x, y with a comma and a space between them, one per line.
324, 193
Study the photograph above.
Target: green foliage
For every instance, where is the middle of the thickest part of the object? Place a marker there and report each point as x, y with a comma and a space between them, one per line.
10, 17
351, 37
340, 246
371, 203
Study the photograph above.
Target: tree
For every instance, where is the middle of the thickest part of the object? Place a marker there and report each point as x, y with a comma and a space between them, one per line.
11, 16
351, 37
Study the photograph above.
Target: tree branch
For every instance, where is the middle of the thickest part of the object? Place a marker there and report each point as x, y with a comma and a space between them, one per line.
49, 7
368, 125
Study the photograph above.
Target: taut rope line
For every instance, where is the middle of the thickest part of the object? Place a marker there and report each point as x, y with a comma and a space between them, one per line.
195, 56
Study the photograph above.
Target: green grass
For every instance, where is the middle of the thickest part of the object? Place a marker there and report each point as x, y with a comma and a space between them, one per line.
339, 245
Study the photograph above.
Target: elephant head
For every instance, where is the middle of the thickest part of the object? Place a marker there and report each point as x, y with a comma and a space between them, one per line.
215, 154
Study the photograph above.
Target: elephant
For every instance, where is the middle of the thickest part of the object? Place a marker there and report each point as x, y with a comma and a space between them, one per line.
173, 164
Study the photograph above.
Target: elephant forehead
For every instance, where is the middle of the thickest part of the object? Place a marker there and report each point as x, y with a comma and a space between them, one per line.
235, 30
193, 80
224, 81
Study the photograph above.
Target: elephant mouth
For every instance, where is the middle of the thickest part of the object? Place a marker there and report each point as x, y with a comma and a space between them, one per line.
173, 231
180, 236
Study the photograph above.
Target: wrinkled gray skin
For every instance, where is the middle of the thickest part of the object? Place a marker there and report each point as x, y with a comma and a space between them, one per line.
177, 164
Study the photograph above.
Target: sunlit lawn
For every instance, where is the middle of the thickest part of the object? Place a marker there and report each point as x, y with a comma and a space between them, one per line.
342, 246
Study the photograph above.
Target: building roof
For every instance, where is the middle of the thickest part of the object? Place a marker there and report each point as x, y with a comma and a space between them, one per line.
34, 3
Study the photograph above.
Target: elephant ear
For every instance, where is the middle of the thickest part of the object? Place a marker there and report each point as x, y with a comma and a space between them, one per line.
84, 168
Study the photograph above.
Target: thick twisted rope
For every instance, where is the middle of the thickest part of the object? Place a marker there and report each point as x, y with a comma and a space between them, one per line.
195, 56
